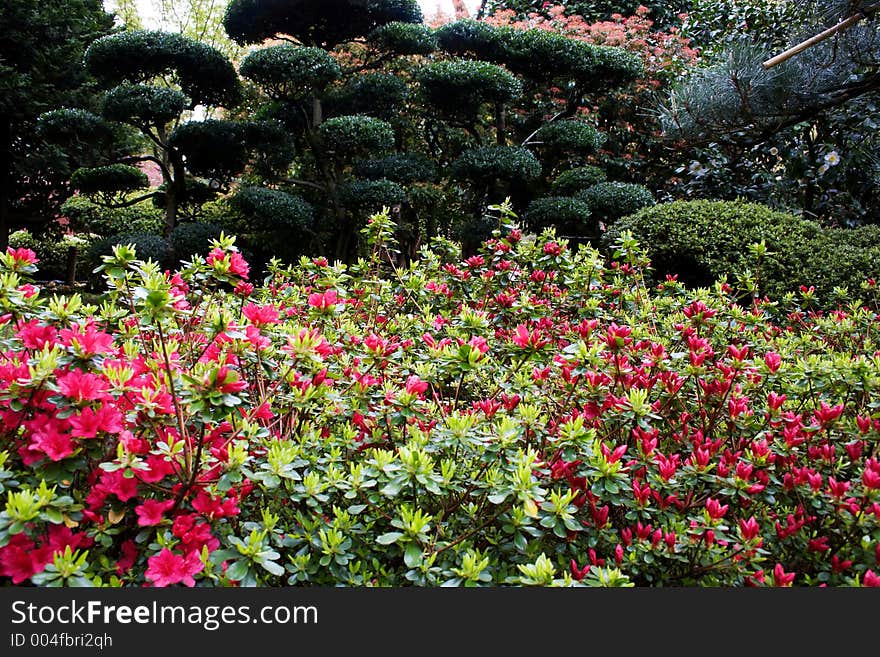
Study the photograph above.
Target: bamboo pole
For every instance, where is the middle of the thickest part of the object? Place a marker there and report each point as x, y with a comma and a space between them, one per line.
803, 45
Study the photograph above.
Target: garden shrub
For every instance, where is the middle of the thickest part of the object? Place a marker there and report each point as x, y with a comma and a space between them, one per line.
90, 217
569, 136
458, 87
193, 238
149, 245
704, 240
403, 39
569, 216
575, 180
402, 168
356, 136
611, 200
486, 163
290, 71
366, 197
111, 178
526, 417
380, 95
54, 251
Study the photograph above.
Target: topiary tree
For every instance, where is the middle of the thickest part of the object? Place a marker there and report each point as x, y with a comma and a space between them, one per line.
156, 82
384, 110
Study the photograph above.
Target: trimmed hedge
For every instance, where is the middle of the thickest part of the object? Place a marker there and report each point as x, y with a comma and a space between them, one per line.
701, 241
288, 71
403, 39
404, 168
113, 178
349, 137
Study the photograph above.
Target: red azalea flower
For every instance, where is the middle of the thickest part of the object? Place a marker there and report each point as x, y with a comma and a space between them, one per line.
82, 386
871, 579
167, 568
152, 512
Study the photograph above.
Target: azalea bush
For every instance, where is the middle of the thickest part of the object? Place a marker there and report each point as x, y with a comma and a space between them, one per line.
530, 415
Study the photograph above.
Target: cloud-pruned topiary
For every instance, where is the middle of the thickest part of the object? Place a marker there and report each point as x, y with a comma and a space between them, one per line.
366, 197
570, 217
264, 208
575, 180
139, 56
141, 103
486, 163
288, 71
404, 168
459, 87
403, 39
354, 136
611, 200
109, 179
322, 23
569, 136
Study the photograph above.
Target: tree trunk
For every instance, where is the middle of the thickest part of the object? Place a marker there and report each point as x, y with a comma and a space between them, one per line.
5, 180
500, 124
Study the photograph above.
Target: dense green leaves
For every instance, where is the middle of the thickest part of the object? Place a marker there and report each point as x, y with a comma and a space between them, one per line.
403, 39
610, 200
509, 163
141, 56
286, 71
109, 179
348, 137
323, 23
143, 104
459, 87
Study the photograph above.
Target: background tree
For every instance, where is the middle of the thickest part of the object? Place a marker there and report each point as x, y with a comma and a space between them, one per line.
41, 48
155, 81
800, 135
437, 124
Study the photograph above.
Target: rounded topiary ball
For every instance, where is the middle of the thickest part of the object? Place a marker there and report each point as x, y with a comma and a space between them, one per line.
576, 180
609, 201
568, 215
508, 163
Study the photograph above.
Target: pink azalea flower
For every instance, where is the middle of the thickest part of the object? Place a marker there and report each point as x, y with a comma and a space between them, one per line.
167, 568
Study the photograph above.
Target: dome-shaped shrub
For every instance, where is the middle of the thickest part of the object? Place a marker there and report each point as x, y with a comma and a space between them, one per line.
509, 163
265, 209
403, 38
288, 71
401, 168
609, 201
143, 103
569, 216
348, 137
576, 180
365, 197
109, 179
459, 87
569, 136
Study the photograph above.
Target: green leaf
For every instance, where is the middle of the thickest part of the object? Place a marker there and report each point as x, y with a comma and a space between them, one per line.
237, 570
389, 538
412, 556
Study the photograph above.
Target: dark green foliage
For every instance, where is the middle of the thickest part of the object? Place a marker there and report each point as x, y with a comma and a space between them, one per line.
287, 71
543, 55
705, 240
404, 168
190, 200
365, 197
459, 87
570, 217
468, 37
90, 217
41, 49
143, 104
147, 246
569, 136
323, 23
66, 126
220, 149
214, 148
403, 39
380, 95
576, 180
109, 179
266, 209
193, 238
608, 201
139, 56
351, 137
487, 163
